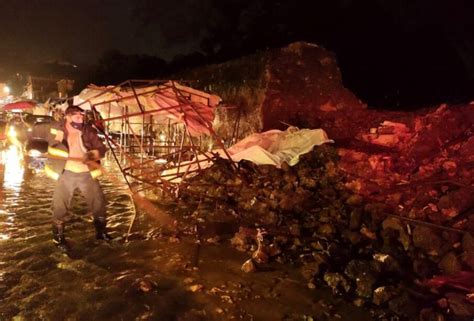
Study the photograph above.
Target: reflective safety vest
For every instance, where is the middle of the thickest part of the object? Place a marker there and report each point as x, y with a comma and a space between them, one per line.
58, 156
55, 164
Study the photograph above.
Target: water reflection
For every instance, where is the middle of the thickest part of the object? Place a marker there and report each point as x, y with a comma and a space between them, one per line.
12, 170
12, 159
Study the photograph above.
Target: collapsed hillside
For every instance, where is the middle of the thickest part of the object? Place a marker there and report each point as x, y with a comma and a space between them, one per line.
385, 216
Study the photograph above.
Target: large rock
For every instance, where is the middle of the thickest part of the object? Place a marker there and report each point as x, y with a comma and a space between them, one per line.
363, 275
460, 307
425, 239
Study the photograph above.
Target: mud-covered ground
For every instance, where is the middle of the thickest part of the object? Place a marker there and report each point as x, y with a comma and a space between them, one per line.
154, 276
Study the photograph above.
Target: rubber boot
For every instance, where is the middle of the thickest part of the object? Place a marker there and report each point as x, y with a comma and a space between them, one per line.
100, 229
58, 237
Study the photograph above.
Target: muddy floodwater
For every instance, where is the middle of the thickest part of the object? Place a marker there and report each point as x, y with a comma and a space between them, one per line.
150, 277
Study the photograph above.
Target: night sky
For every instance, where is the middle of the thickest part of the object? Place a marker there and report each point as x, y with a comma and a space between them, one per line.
81, 30
397, 53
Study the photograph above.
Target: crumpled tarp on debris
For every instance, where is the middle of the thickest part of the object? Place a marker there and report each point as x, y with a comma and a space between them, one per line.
273, 147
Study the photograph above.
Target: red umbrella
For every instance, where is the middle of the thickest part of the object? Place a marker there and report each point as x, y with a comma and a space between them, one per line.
19, 105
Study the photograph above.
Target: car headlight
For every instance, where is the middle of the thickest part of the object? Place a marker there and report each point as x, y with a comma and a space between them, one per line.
12, 132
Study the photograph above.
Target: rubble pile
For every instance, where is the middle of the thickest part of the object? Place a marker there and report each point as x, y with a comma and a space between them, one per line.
426, 169
384, 217
388, 229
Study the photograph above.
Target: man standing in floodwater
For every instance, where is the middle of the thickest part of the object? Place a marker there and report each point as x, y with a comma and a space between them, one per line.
74, 153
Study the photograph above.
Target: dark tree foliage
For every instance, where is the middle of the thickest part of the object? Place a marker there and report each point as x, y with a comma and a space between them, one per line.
183, 62
115, 67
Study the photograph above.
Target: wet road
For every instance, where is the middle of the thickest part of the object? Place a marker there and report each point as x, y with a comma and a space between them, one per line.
151, 277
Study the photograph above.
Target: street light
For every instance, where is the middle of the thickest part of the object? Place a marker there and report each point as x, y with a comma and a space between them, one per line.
6, 90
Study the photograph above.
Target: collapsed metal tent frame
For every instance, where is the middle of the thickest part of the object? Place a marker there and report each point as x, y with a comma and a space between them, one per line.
156, 130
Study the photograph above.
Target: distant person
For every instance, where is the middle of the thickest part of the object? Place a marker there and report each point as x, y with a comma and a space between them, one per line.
74, 152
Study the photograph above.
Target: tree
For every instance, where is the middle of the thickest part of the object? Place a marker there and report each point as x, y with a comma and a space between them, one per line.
115, 67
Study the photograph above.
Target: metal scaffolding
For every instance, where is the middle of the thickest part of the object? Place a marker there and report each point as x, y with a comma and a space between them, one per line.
156, 131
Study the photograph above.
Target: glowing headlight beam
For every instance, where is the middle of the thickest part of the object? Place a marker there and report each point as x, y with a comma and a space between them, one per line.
12, 132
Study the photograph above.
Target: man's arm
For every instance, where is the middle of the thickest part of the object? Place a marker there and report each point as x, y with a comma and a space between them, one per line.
94, 144
55, 134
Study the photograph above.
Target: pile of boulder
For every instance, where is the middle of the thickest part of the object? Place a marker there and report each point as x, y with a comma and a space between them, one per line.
385, 221
423, 170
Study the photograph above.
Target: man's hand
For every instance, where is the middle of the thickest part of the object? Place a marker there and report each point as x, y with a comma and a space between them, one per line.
91, 156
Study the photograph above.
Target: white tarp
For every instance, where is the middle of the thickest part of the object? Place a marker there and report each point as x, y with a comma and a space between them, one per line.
273, 147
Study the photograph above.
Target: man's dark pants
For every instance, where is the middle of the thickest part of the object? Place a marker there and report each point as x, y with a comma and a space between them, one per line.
90, 189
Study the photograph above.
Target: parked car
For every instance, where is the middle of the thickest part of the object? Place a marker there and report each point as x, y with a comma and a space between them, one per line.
17, 129
36, 145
